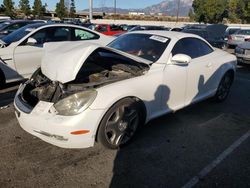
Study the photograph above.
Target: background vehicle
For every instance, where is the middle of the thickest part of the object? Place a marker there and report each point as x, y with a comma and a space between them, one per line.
145, 28
8, 27
242, 52
178, 29
229, 31
238, 38
103, 95
214, 34
109, 29
149, 27
126, 27
22, 50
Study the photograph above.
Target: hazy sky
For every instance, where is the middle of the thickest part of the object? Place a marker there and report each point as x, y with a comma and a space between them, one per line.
83, 4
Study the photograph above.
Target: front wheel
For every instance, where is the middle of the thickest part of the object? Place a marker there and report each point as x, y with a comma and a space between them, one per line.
119, 124
224, 87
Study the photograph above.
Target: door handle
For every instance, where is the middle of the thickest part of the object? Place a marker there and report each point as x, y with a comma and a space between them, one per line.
209, 65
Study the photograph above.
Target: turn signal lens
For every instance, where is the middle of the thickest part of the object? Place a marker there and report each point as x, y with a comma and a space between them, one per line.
80, 132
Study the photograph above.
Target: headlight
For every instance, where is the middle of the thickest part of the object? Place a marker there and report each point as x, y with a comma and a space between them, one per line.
76, 103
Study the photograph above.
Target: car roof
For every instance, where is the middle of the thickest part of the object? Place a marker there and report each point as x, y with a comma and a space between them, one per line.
164, 33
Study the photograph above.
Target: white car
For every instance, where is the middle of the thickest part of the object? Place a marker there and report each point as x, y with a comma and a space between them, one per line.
22, 50
86, 93
239, 37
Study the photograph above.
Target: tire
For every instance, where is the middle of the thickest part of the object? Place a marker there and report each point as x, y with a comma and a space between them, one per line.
120, 123
224, 87
2, 79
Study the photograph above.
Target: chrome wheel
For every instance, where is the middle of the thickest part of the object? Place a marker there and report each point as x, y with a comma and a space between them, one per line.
121, 125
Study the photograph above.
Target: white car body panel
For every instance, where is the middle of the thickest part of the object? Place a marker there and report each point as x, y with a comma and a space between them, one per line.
22, 60
164, 88
60, 55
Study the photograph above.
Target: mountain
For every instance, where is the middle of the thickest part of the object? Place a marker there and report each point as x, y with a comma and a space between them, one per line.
167, 7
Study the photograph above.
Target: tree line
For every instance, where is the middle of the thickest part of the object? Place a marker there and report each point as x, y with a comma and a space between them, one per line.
64, 8
217, 11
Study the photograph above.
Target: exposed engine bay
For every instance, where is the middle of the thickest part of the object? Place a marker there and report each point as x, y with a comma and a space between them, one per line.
101, 68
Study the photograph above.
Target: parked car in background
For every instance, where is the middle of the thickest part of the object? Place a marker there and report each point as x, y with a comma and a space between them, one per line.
149, 27
4, 18
86, 93
21, 51
195, 26
178, 29
146, 28
214, 34
239, 37
9, 26
110, 30
229, 31
242, 52
127, 27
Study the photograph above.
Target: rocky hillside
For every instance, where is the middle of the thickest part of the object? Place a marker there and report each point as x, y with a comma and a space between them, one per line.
167, 7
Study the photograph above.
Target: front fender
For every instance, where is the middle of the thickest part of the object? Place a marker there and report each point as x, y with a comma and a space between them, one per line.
148, 88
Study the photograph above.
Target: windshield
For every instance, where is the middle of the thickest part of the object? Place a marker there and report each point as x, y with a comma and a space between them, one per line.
20, 33
147, 46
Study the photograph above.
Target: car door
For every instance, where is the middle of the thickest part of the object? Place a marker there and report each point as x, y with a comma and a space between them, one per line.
199, 70
28, 57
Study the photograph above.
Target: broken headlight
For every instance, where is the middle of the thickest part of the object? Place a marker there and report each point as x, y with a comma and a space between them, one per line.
76, 103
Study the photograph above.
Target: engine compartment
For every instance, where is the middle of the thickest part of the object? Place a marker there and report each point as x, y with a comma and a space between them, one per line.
101, 68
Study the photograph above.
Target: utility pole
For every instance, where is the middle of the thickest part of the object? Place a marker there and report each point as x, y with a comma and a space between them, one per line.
90, 9
114, 9
178, 10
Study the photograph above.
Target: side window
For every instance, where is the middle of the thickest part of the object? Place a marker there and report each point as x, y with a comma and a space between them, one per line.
40, 36
204, 49
13, 27
58, 34
52, 34
80, 34
102, 28
192, 47
115, 28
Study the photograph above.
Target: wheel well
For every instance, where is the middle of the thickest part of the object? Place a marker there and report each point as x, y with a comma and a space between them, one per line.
142, 107
231, 72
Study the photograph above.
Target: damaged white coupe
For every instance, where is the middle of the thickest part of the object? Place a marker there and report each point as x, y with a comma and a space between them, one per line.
87, 93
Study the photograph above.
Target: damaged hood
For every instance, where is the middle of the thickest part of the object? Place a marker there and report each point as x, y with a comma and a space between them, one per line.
62, 61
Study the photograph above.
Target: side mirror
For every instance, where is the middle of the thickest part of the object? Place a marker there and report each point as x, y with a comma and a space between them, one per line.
31, 41
181, 59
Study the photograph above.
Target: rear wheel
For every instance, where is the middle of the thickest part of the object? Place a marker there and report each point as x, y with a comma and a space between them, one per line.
120, 123
224, 87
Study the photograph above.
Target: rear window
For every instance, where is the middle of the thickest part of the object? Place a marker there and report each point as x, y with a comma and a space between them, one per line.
244, 32
147, 46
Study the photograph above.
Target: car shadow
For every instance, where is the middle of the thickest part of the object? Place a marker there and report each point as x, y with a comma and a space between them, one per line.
148, 161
